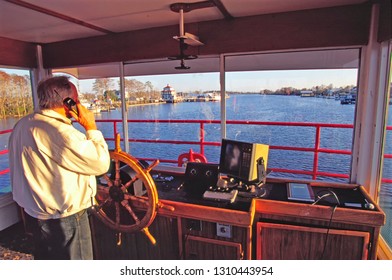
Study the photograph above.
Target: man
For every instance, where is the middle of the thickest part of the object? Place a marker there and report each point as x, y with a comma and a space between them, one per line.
53, 168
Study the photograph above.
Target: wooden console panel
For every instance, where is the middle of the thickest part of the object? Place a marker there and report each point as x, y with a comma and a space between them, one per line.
174, 238
299, 230
271, 227
310, 243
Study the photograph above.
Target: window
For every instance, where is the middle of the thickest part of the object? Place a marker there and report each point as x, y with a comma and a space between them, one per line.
385, 194
15, 102
301, 103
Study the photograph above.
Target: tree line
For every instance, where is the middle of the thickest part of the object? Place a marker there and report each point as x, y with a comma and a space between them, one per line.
321, 89
15, 95
104, 90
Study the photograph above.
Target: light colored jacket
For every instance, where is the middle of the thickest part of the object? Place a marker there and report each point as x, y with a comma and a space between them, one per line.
53, 165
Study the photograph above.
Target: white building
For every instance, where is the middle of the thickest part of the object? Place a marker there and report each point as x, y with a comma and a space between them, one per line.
169, 95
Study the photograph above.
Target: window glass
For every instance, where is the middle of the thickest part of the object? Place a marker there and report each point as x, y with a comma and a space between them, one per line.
385, 195
182, 99
303, 108
296, 100
15, 102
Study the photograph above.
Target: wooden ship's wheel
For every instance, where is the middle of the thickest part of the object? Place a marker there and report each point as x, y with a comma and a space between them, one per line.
127, 196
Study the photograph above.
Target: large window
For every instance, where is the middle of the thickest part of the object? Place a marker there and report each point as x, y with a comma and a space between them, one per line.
302, 105
174, 98
15, 102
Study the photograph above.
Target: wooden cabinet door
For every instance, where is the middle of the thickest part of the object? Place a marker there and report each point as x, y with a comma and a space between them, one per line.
289, 242
200, 248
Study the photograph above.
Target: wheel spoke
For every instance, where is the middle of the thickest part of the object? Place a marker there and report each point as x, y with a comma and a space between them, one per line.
102, 189
140, 199
100, 206
130, 211
117, 213
130, 182
117, 179
108, 180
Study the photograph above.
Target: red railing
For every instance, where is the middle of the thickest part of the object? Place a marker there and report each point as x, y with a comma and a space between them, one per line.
4, 152
316, 150
202, 143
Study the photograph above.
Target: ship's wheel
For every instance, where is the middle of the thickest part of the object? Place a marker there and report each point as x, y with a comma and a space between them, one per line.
127, 196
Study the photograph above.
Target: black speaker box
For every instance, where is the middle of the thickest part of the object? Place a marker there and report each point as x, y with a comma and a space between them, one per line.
199, 177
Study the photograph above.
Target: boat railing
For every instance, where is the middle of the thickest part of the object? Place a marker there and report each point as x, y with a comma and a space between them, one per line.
202, 143
4, 152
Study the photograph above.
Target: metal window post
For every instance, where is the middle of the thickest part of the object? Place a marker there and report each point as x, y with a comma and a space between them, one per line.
124, 109
223, 94
370, 115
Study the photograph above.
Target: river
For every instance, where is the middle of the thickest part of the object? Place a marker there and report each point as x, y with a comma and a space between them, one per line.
272, 108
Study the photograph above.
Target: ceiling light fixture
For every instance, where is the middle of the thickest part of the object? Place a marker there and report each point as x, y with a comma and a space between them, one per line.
185, 39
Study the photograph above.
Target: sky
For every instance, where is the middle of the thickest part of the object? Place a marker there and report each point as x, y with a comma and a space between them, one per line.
250, 81
246, 81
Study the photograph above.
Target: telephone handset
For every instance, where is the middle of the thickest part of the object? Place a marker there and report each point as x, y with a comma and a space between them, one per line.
71, 105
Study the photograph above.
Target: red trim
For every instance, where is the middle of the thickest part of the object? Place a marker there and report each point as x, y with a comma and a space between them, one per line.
5, 171
5, 131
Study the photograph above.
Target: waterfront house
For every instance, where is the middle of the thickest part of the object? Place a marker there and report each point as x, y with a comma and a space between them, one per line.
169, 95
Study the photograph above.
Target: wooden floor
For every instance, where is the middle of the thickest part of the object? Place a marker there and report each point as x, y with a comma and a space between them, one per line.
15, 244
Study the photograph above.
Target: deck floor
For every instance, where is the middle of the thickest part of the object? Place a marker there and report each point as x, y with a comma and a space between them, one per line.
15, 244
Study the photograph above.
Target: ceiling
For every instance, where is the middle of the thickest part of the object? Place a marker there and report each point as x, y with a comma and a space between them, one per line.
47, 21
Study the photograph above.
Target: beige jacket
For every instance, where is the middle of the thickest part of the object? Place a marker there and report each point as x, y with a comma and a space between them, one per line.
53, 165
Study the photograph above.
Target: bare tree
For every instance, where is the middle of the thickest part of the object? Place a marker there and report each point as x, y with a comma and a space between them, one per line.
22, 91
15, 95
102, 85
134, 88
4, 84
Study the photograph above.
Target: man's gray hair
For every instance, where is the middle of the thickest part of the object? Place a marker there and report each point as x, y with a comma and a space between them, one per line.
52, 91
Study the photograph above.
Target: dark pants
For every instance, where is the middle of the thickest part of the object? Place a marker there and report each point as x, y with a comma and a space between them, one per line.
67, 238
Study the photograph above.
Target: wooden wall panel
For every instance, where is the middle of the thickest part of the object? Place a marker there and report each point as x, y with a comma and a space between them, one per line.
347, 25
142, 44
136, 246
385, 24
17, 53
339, 26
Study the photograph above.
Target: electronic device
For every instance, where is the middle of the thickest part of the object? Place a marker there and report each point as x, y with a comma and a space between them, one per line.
199, 177
300, 192
221, 195
71, 105
244, 161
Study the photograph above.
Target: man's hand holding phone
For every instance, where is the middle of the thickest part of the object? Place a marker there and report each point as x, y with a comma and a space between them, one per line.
81, 114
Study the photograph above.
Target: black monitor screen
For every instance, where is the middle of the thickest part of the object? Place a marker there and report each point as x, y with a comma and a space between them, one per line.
239, 159
235, 158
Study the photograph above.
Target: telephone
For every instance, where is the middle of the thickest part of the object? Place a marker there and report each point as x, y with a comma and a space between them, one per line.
71, 105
